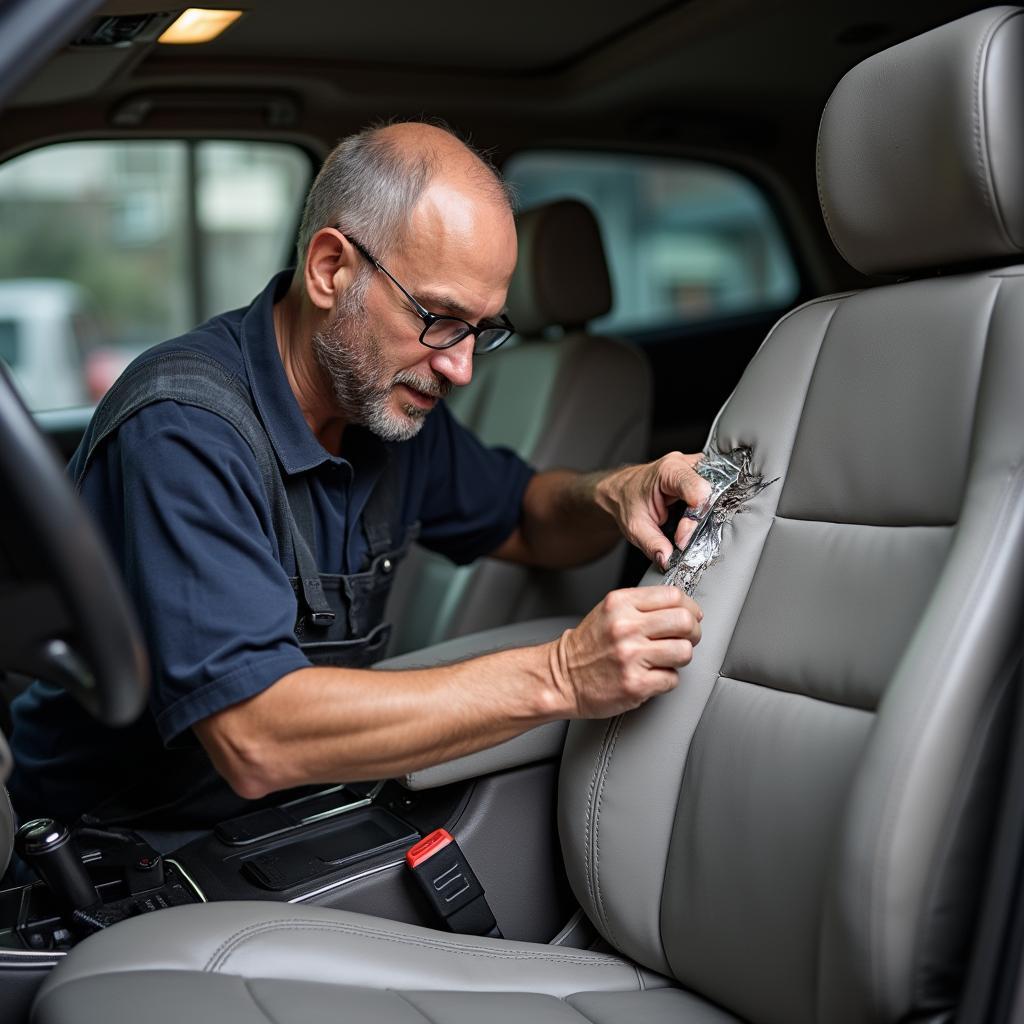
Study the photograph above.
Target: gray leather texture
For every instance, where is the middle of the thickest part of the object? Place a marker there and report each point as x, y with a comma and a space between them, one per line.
561, 276
211, 953
7, 829
921, 149
807, 776
541, 744
156, 998
576, 402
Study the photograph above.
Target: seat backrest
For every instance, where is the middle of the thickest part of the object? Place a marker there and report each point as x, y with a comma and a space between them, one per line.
798, 831
575, 401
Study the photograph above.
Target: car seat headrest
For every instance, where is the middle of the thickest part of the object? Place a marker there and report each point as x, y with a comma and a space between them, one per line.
561, 278
921, 149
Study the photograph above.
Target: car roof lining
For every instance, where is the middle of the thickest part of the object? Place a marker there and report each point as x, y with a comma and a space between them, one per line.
740, 80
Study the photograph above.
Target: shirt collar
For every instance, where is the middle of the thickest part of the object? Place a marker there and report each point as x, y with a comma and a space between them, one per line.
296, 445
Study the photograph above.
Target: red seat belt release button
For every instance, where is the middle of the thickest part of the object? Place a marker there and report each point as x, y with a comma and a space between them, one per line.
427, 846
450, 886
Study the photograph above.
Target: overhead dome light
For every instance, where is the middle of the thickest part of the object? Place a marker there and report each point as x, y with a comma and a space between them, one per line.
198, 25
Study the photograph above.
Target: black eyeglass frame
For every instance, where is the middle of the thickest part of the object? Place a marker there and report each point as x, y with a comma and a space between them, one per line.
429, 319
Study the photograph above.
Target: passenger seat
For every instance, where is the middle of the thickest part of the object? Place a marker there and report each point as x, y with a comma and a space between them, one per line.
573, 400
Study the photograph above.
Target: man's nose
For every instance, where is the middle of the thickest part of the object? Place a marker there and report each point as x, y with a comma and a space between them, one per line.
455, 363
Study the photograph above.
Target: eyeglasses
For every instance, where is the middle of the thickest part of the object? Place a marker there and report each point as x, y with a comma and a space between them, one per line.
446, 331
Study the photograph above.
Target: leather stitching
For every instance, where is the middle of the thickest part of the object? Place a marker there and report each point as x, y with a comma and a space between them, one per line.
588, 821
222, 954
985, 177
820, 188
605, 768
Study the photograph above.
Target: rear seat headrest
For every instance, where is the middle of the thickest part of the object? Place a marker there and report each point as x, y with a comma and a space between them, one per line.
561, 278
921, 149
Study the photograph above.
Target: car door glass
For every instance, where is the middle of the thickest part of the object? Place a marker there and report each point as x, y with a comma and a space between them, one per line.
686, 242
111, 247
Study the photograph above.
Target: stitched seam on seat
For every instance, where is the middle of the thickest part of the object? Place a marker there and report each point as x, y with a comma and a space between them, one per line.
616, 731
985, 176
259, 1006
221, 955
818, 181
588, 836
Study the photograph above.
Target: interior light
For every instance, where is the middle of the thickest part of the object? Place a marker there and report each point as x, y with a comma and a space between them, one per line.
198, 25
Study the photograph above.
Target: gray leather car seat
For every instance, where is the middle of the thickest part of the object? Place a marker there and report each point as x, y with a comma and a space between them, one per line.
574, 401
797, 833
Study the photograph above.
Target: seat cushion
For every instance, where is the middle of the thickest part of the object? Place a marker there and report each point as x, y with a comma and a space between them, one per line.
237, 955
162, 997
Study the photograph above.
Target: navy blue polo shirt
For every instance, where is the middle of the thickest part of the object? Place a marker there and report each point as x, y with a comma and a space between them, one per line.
179, 497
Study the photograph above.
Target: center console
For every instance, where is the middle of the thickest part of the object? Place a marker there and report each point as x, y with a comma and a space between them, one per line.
90, 878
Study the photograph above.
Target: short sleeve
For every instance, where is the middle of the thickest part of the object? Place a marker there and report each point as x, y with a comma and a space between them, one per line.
471, 495
199, 559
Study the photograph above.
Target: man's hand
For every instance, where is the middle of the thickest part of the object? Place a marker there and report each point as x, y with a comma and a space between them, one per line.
625, 651
638, 499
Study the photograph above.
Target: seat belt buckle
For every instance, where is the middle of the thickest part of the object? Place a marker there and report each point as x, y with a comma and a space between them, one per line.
444, 876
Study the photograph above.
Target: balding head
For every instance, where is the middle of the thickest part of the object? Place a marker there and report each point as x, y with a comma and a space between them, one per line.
371, 182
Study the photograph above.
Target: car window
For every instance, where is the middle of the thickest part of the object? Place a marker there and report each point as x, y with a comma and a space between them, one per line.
686, 242
109, 247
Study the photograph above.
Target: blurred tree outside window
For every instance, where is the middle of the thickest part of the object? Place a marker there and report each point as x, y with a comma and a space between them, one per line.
110, 247
685, 242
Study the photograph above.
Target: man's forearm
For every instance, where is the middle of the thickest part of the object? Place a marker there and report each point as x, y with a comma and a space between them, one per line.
326, 725
562, 525
323, 725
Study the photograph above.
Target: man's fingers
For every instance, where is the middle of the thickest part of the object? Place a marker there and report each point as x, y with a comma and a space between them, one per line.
681, 480
684, 531
669, 654
650, 599
648, 537
672, 624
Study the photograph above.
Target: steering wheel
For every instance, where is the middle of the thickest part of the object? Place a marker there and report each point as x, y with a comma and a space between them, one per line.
64, 615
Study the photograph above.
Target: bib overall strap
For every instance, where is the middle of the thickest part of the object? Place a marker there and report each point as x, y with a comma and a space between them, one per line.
191, 378
301, 503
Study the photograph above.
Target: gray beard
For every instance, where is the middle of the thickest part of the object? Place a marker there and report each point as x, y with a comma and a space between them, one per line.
352, 358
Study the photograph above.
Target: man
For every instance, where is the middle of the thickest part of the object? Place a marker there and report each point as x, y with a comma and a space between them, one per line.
280, 458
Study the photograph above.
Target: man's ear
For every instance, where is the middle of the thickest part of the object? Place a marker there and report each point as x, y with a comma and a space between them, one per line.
331, 267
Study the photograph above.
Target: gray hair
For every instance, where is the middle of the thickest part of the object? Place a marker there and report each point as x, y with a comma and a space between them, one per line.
369, 186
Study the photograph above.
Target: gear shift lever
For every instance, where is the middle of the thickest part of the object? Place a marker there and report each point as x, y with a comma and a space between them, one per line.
46, 845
